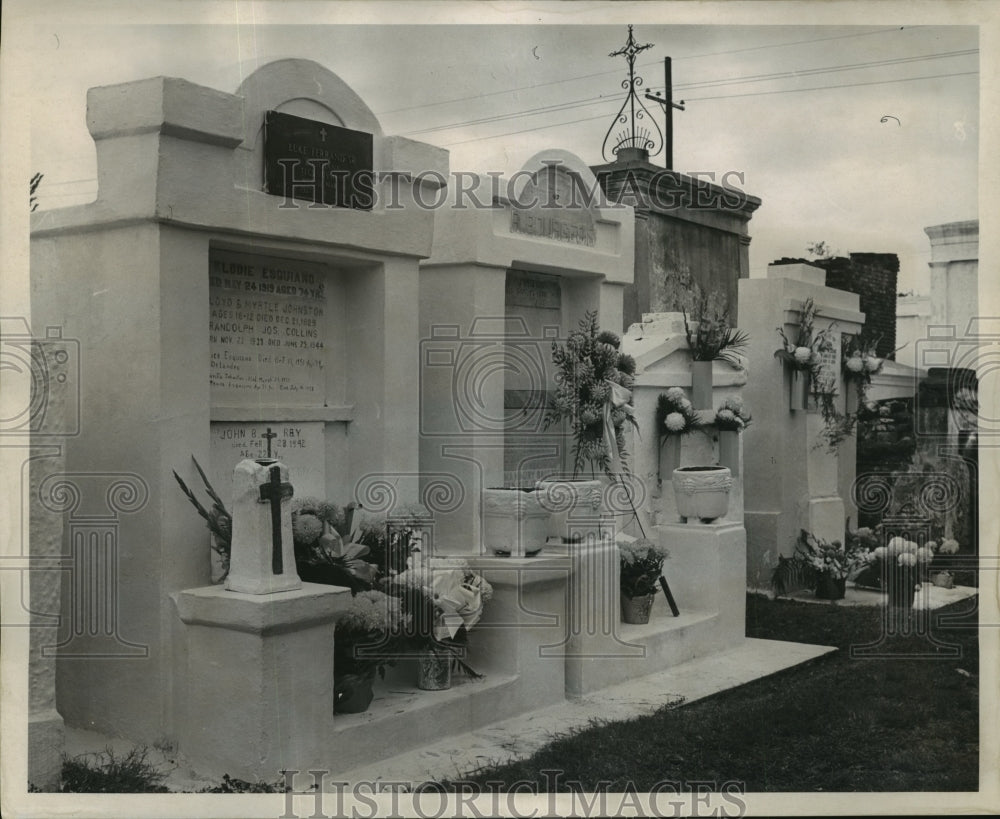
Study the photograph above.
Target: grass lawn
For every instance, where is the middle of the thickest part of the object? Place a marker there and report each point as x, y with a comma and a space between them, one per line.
837, 724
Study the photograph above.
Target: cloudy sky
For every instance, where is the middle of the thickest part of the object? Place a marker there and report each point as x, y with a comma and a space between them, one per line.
859, 135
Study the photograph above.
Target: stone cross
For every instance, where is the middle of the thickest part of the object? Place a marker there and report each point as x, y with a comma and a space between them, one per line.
262, 558
274, 492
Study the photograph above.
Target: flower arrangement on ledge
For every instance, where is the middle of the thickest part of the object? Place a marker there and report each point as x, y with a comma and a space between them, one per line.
641, 566
733, 415
713, 338
675, 416
824, 565
441, 601
804, 354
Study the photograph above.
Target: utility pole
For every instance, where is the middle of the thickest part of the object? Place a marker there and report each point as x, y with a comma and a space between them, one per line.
667, 101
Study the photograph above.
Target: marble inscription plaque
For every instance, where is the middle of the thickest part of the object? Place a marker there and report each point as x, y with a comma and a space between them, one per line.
267, 328
298, 445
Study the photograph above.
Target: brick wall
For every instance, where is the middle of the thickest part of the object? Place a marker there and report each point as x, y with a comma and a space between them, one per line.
873, 277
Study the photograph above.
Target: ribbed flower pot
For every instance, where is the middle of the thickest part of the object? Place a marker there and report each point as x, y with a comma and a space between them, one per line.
514, 522
702, 492
574, 508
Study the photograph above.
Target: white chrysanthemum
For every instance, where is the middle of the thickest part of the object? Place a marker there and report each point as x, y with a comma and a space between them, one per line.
734, 403
855, 364
726, 416
872, 364
925, 555
878, 553
802, 355
684, 403
895, 546
907, 559
675, 422
948, 547
910, 546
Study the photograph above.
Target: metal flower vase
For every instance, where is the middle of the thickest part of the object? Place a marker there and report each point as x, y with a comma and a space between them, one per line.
635, 610
701, 384
800, 390
434, 671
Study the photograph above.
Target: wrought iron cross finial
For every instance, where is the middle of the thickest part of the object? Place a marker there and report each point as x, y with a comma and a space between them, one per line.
637, 134
268, 436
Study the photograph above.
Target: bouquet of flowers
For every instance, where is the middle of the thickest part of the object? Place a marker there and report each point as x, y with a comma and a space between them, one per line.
675, 415
326, 547
713, 338
218, 519
441, 600
732, 415
900, 558
641, 564
805, 352
819, 557
593, 382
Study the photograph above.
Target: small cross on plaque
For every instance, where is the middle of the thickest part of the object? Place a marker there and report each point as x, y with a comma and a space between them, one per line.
268, 436
322, 134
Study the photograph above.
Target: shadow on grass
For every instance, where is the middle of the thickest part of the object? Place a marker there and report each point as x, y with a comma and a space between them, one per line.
894, 723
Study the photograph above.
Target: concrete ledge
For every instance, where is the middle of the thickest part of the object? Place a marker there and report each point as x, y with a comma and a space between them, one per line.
521, 736
261, 613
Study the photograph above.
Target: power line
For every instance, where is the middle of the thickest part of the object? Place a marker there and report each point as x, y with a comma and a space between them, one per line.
725, 96
643, 65
704, 84
824, 87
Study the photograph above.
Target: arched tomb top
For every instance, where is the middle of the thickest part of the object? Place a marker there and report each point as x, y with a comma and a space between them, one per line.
307, 89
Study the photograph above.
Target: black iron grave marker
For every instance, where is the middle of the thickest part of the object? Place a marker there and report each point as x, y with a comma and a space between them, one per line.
317, 162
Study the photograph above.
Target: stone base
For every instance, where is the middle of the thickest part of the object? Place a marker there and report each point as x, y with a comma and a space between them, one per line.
46, 738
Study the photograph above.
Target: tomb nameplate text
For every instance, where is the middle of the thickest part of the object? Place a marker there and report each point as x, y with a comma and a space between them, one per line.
317, 162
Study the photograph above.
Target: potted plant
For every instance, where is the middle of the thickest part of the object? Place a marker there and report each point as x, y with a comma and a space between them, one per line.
826, 565
362, 641
440, 600
731, 418
803, 357
641, 565
593, 381
710, 339
675, 417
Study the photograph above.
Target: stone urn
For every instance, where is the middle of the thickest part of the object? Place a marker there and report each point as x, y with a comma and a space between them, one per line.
514, 522
574, 507
702, 492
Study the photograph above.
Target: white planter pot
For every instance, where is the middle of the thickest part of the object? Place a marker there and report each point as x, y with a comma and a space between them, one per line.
513, 522
702, 492
574, 507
